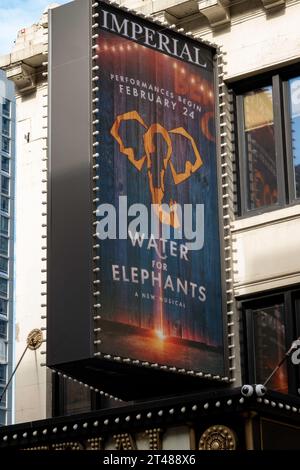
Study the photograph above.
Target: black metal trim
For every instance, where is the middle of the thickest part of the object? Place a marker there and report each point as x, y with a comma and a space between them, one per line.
185, 409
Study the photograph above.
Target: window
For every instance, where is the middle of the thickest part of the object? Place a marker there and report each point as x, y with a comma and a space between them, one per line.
3, 225
5, 126
2, 351
294, 103
268, 121
3, 307
5, 164
71, 398
2, 374
4, 204
271, 324
3, 246
3, 329
3, 286
3, 401
2, 418
5, 185
5, 144
6, 107
3, 265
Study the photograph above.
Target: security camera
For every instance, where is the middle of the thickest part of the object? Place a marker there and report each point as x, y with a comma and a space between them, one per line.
247, 390
260, 390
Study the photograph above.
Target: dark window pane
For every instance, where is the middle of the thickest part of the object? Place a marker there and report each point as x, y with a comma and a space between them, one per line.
269, 346
3, 225
3, 307
4, 265
5, 164
3, 286
4, 204
260, 149
5, 144
3, 401
2, 418
6, 107
5, 126
3, 246
77, 399
2, 374
4, 185
3, 329
294, 86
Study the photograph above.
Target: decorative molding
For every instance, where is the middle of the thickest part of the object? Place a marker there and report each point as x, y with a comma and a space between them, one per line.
268, 4
165, 18
35, 339
218, 438
216, 11
23, 75
247, 288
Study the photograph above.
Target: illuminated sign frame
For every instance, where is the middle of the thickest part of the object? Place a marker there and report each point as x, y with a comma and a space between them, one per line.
76, 329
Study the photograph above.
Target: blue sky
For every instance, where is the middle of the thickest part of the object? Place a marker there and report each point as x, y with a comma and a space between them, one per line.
17, 14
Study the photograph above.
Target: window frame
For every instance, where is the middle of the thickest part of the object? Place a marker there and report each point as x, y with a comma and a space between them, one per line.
4, 150
5, 237
4, 382
4, 321
292, 331
2, 232
6, 134
278, 79
3, 294
6, 260
59, 404
5, 211
6, 173
5, 114
5, 301
4, 178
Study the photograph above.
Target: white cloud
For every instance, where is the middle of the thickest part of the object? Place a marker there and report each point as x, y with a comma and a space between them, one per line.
18, 14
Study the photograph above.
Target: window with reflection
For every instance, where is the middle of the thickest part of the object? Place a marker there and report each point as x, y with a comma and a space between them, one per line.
260, 148
294, 94
271, 323
268, 130
76, 398
5, 144
270, 346
5, 164
5, 126
3, 265
6, 107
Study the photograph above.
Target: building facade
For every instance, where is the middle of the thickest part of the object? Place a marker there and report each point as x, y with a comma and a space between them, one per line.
7, 137
258, 103
25, 70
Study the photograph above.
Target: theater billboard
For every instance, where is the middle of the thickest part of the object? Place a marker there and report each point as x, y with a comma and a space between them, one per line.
135, 253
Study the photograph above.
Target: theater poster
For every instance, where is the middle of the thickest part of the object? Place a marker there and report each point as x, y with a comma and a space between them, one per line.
158, 225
